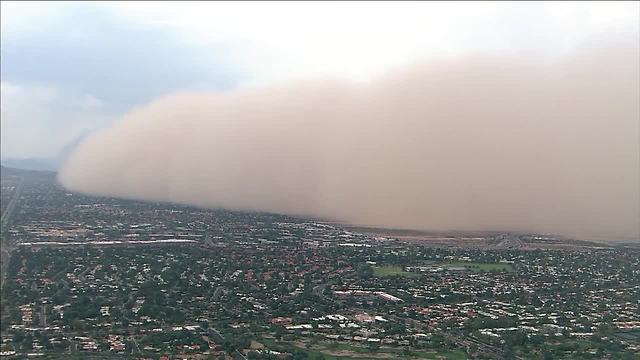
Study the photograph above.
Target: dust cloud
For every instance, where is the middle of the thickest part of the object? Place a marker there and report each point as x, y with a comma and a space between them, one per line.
474, 143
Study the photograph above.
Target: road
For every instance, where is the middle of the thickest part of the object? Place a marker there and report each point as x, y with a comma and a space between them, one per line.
5, 246
12, 204
135, 349
220, 338
318, 290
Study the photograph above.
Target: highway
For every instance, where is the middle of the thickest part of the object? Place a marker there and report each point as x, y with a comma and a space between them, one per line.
218, 337
7, 214
5, 246
135, 349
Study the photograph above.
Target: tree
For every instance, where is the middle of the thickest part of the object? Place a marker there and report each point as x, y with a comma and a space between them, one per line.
365, 271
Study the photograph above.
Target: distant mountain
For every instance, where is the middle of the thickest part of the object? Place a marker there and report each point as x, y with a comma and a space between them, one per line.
31, 164
45, 164
8, 171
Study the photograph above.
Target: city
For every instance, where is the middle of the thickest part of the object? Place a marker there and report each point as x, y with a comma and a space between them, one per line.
320, 180
95, 277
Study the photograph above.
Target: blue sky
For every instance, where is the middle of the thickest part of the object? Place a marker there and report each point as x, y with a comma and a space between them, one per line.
70, 68
83, 49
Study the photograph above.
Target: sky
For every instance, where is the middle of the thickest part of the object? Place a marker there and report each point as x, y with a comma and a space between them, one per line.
71, 68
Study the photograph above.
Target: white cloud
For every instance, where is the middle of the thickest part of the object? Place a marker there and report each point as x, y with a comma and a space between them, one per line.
358, 40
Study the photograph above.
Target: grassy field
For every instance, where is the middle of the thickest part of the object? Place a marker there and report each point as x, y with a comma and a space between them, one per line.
633, 335
476, 266
395, 353
449, 355
348, 351
387, 271
361, 352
